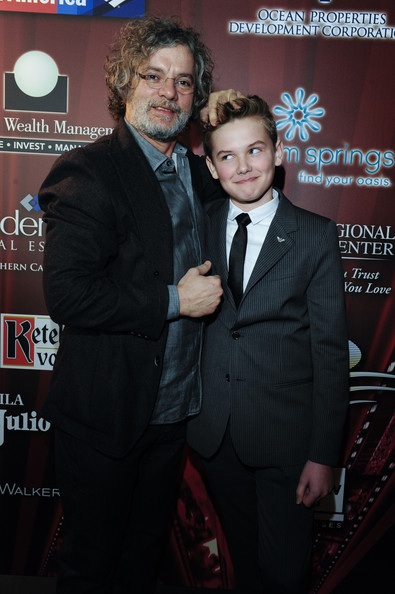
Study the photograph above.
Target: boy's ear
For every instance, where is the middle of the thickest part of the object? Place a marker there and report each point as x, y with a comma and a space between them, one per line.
278, 155
211, 167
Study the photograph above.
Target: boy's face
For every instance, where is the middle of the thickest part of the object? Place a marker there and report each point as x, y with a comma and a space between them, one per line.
244, 160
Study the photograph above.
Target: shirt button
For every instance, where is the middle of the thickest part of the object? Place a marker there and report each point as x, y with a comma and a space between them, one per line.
236, 335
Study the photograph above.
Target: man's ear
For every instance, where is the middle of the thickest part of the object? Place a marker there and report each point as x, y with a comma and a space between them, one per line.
211, 167
278, 154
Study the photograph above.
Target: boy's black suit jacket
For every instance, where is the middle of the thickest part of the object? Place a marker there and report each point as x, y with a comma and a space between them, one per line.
276, 368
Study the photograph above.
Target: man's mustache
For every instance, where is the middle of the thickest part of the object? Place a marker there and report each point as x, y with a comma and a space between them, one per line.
165, 104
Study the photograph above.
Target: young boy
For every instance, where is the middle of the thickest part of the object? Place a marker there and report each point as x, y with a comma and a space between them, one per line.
275, 360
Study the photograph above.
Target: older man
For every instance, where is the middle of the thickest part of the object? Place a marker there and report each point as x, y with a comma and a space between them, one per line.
126, 275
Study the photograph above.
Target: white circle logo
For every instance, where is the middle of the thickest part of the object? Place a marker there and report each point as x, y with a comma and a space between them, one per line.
36, 73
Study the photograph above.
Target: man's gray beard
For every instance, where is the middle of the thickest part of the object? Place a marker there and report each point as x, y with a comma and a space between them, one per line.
156, 131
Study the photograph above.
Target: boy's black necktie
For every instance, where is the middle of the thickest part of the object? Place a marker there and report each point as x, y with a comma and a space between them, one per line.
236, 257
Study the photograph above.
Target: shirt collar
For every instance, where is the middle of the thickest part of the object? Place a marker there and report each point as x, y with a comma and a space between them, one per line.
154, 156
256, 214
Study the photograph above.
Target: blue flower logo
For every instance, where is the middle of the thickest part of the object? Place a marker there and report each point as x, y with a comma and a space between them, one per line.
298, 115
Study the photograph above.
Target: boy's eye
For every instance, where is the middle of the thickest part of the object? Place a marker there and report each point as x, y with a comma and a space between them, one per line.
255, 151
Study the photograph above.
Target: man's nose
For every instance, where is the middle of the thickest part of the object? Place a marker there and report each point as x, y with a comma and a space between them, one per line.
168, 89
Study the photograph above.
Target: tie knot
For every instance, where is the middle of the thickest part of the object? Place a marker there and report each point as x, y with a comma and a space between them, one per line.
243, 219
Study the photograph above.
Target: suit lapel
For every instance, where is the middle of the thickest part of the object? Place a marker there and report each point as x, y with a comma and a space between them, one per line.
136, 175
277, 243
148, 207
217, 242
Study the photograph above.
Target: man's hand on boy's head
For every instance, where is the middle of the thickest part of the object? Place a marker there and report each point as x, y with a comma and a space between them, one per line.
209, 113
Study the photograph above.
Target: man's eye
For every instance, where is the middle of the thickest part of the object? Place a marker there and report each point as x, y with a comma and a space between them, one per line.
185, 83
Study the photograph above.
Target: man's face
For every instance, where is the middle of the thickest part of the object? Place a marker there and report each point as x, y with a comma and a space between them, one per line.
244, 160
162, 113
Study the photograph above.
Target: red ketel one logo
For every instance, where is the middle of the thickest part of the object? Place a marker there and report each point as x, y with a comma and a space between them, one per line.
28, 341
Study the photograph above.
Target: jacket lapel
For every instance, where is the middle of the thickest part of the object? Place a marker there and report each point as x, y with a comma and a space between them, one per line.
218, 215
136, 175
148, 208
278, 241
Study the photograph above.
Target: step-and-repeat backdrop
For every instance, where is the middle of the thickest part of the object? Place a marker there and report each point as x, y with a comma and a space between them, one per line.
327, 70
